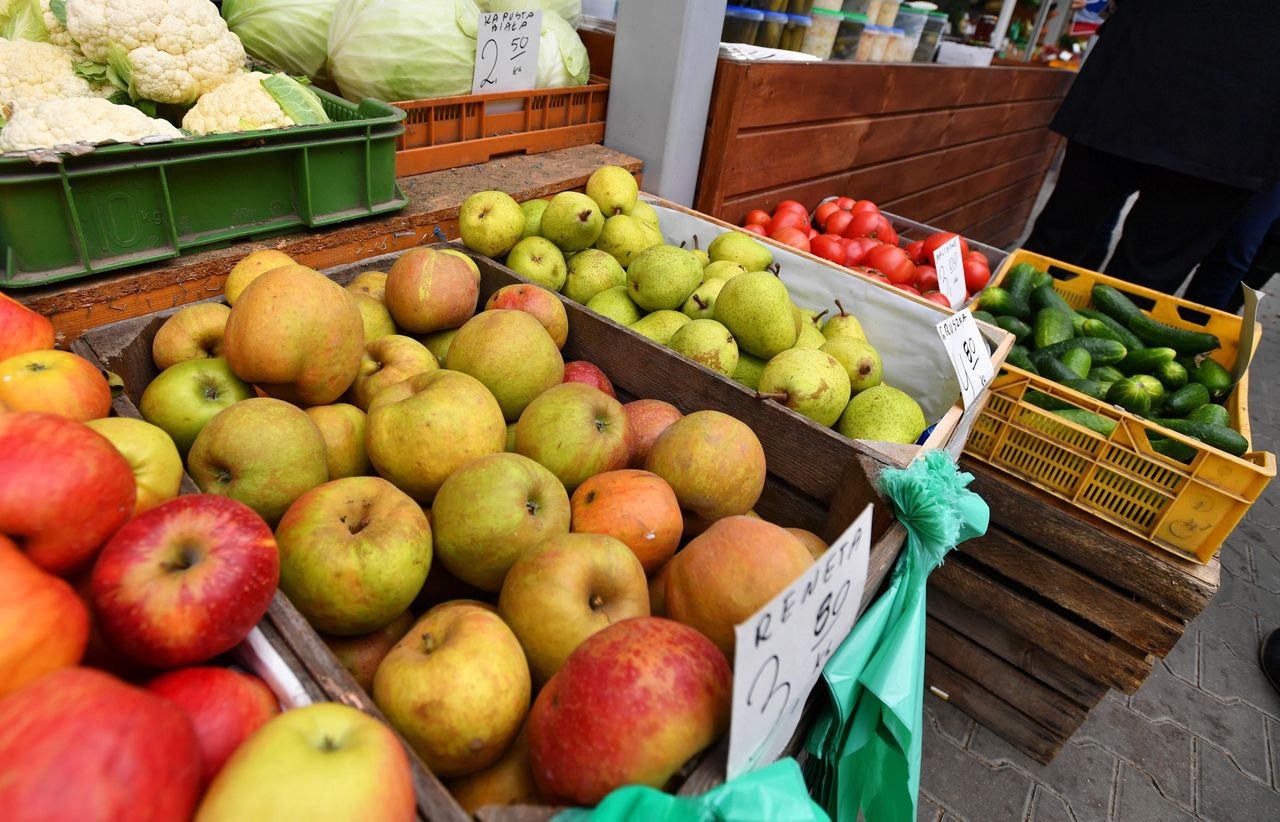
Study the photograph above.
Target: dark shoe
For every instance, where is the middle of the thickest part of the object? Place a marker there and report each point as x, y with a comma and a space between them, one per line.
1269, 658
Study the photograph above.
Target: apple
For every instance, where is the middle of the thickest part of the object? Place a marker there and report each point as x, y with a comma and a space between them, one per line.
253, 266
509, 781
151, 454
588, 374
424, 428
544, 305
185, 581
438, 342
658, 591
729, 572
375, 318
64, 489
184, 397
224, 707
712, 461
55, 382
263, 452
80, 744
369, 283
490, 222
22, 330
511, 353
354, 553
456, 687
629, 707
646, 420
342, 427
192, 333
324, 761
387, 361
636, 507
575, 431
490, 511
43, 621
810, 540
428, 290
362, 654
466, 258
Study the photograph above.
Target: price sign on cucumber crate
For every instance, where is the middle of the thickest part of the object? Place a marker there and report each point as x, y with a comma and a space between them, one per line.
949, 263
507, 51
968, 353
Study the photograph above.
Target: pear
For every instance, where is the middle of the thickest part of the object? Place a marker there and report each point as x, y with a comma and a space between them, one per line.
490, 222
756, 309
660, 325
437, 342
882, 413
813, 317
702, 257
741, 249
625, 237
572, 221
707, 342
645, 213
701, 304
860, 361
663, 277
841, 324
533, 217
590, 272
809, 382
538, 259
615, 304
613, 188
809, 336
722, 270
748, 370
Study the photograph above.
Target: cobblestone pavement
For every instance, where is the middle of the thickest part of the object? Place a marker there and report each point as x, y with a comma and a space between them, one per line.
1199, 740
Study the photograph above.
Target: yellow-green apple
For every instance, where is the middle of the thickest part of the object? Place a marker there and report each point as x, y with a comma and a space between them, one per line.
544, 305
151, 454
509, 781
729, 572
297, 335
658, 591
646, 419
810, 540
324, 761
21, 329
456, 687
224, 707
422, 429
193, 333
362, 654
184, 397
80, 744
369, 283
354, 553
263, 452
629, 707
575, 431
429, 291
490, 222
44, 623
387, 361
563, 590
185, 581
375, 319
55, 382
64, 490
437, 342
511, 353
712, 461
342, 426
466, 258
251, 268
490, 510
635, 507
588, 374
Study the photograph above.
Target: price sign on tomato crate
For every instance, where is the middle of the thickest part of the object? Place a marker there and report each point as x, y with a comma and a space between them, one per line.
949, 263
968, 353
506, 51
781, 650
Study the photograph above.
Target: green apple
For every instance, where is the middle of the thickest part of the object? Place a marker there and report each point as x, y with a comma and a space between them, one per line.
375, 317
437, 342
369, 283
184, 397
342, 426
490, 222
387, 361
193, 333
150, 452
537, 259
511, 353
576, 431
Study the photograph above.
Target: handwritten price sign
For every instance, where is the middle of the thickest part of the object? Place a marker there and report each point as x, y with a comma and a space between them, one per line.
968, 352
507, 51
949, 263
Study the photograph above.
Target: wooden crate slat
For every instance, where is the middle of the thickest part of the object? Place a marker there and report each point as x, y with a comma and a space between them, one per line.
927, 205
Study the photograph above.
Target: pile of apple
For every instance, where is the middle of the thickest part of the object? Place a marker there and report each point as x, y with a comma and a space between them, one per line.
854, 234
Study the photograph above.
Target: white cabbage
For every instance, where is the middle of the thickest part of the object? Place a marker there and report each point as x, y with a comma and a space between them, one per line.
292, 35
562, 59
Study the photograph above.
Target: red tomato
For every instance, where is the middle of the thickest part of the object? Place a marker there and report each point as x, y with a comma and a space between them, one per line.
757, 217
894, 262
838, 222
824, 211
937, 297
862, 224
791, 205
914, 251
828, 247
926, 278
788, 219
813, 232
933, 241
976, 275
886, 233
756, 229
794, 237
864, 205
845, 203
867, 271
858, 248
979, 256
906, 288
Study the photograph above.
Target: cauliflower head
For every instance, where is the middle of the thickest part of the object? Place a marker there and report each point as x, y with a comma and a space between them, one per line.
169, 51
32, 72
240, 104
55, 27
78, 120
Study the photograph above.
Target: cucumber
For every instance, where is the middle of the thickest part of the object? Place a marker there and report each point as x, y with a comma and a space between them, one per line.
1045, 297
1104, 352
1105, 373
1114, 304
1043, 400
1019, 359
1094, 422
1091, 388
1154, 332
997, 301
1019, 286
1213, 376
1052, 326
1052, 367
1186, 362
984, 316
1020, 330
1099, 329
1215, 436
1153, 387
1211, 412
1187, 399
1040, 278
1171, 374
1130, 395
1172, 449
1022, 269
1078, 360
1146, 360
1126, 336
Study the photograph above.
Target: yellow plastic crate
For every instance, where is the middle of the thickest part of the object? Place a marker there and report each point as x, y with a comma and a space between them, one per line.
1187, 509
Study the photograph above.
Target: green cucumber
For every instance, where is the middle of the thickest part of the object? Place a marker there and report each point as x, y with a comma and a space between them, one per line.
1125, 336
997, 301
1019, 359
1052, 367
1172, 449
1105, 373
1099, 329
984, 316
1114, 304
1040, 278
1091, 388
1046, 297
1020, 330
1051, 326
1146, 360
1154, 332
1094, 422
1043, 400
1131, 395
1104, 352
1078, 360
1186, 399
1019, 286
1215, 436
1213, 376
1172, 374
1022, 270
1153, 387
1211, 412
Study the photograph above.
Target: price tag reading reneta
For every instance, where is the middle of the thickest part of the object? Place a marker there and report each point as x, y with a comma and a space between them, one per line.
781, 650
507, 51
968, 352
949, 264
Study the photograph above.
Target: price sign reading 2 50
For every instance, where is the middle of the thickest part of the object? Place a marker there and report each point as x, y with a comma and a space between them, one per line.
506, 51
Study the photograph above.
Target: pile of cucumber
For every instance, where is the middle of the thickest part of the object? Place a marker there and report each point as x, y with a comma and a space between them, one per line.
1115, 353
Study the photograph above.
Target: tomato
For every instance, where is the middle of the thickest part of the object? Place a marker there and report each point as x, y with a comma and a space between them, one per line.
838, 222
845, 203
828, 247
894, 262
914, 251
979, 256
794, 237
824, 211
906, 288
864, 205
926, 278
788, 219
862, 224
976, 275
756, 229
791, 205
886, 233
858, 248
813, 233
933, 241
867, 271
937, 297
757, 217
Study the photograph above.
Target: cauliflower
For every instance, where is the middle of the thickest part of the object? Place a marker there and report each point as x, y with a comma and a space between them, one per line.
169, 51
78, 120
55, 26
252, 101
32, 72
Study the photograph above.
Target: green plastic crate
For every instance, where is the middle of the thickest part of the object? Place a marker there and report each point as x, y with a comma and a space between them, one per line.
123, 205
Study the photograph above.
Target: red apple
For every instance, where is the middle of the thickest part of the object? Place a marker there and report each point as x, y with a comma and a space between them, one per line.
224, 707
44, 624
544, 305
81, 745
21, 329
828, 247
757, 217
56, 382
636, 508
756, 229
646, 420
64, 490
186, 580
588, 374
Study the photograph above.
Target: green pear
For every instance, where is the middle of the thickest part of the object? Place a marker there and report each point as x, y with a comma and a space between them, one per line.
572, 221
533, 217
748, 370
860, 361
616, 304
538, 259
660, 325
590, 272
756, 309
812, 316
437, 342
809, 382
613, 188
709, 343
702, 257
738, 247
721, 270
809, 337
842, 324
882, 413
645, 213
625, 238
490, 222
663, 277
701, 304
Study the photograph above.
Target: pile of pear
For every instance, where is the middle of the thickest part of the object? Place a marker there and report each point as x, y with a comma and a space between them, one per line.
723, 307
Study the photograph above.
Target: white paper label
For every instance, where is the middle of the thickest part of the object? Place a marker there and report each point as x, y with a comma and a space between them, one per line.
507, 51
782, 649
968, 353
949, 264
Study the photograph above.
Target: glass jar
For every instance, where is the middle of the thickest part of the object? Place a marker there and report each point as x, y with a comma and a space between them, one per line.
934, 25
741, 25
912, 22
771, 30
821, 35
799, 7
849, 38
793, 35
888, 13
872, 39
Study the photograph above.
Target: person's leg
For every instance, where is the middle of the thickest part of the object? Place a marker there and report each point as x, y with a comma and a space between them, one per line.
1091, 189
1217, 281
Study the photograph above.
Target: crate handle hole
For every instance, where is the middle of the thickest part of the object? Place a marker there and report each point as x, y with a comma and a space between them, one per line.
1062, 274
1192, 315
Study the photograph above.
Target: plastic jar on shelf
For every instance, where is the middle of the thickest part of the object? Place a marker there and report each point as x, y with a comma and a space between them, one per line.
799, 7
872, 39
934, 25
821, 34
793, 35
770, 35
871, 8
888, 13
912, 22
767, 5
828, 5
892, 37
849, 38
741, 25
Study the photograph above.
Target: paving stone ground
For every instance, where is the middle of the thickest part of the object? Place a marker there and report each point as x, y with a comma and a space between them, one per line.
1199, 741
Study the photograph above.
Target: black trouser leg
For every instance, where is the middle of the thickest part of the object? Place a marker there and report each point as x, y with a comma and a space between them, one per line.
1091, 189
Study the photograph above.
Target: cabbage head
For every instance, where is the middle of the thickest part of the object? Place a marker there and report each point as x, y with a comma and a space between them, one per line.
570, 10
403, 49
562, 59
292, 35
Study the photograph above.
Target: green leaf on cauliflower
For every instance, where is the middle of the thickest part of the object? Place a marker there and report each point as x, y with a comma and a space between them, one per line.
120, 70
21, 20
299, 103
91, 71
59, 10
